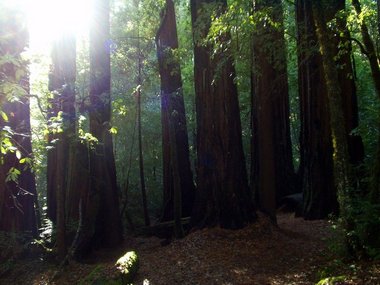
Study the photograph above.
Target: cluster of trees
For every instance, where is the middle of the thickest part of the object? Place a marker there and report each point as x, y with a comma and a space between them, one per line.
235, 48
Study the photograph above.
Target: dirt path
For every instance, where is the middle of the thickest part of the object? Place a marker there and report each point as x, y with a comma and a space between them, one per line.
258, 254
294, 253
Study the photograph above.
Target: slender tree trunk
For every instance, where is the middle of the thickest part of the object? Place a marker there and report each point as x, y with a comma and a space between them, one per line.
274, 176
141, 160
139, 133
176, 160
223, 195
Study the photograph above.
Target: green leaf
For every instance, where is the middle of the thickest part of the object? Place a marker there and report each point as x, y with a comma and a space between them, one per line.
4, 116
12, 175
113, 130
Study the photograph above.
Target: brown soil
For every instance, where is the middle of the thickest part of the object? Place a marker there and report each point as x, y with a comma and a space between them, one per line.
295, 252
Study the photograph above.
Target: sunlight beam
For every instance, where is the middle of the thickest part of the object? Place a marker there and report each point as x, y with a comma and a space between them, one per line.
50, 19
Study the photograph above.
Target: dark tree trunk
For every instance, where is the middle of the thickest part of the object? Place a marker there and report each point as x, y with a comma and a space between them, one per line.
316, 167
273, 175
101, 223
173, 113
18, 196
223, 194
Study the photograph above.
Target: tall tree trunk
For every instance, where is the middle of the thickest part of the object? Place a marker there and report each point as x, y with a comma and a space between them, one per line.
139, 135
316, 167
274, 176
342, 167
17, 196
141, 157
223, 194
101, 223
175, 144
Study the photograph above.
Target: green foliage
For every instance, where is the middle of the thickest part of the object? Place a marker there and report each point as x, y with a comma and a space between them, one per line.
332, 280
134, 29
124, 272
365, 235
13, 174
128, 266
361, 238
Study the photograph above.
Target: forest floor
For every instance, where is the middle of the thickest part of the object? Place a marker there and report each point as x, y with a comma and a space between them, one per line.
295, 252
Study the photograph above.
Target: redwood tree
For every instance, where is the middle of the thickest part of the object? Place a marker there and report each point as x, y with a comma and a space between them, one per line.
175, 146
223, 196
272, 172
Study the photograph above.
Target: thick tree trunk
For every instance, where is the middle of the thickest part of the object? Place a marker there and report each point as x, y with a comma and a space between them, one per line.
223, 194
17, 207
273, 177
316, 168
101, 223
175, 144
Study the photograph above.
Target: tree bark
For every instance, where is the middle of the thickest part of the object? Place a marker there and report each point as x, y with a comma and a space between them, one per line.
223, 195
274, 176
175, 143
